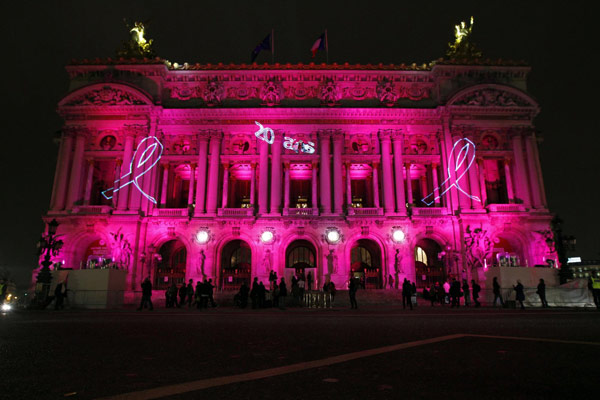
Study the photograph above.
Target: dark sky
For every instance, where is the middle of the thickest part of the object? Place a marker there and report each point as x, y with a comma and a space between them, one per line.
39, 38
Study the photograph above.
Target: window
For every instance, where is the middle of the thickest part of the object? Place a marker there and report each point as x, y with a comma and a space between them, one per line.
420, 255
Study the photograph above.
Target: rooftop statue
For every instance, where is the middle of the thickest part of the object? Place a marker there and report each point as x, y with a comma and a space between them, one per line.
137, 46
462, 46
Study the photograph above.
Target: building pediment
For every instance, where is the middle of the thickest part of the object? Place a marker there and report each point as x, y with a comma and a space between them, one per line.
491, 96
106, 95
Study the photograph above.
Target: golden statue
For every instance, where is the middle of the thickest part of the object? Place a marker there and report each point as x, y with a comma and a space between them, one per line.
137, 46
462, 46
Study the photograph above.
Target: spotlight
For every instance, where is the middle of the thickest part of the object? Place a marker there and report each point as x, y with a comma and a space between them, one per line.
398, 235
333, 235
266, 236
6, 307
202, 236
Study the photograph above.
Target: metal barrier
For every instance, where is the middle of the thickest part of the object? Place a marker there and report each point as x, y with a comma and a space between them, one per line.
314, 299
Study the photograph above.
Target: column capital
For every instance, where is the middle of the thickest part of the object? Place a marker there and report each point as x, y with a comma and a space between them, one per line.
506, 160
286, 165
119, 161
375, 165
324, 135
337, 138
315, 163
397, 135
90, 161
226, 165
203, 136
193, 165
215, 134
165, 165
384, 135
434, 165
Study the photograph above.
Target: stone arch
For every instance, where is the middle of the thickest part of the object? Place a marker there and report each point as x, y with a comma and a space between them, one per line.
156, 243
236, 260
428, 264
320, 274
169, 264
106, 94
516, 243
470, 96
367, 262
443, 242
78, 244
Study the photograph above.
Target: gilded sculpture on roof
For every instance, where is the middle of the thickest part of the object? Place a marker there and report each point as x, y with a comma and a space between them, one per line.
462, 46
137, 46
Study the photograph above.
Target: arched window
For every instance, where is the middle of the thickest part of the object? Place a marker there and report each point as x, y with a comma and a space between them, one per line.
240, 257
420, 255
301, 257
361, 255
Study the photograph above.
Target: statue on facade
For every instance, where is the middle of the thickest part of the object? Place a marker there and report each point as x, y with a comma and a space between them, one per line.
463, 47
266, 264
270, 93
201, 259
137, 46
332, 262
398, 262
213, 93
121, 250
478, 246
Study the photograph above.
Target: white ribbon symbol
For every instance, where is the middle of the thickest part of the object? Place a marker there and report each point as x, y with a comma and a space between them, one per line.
265, 134
467, 151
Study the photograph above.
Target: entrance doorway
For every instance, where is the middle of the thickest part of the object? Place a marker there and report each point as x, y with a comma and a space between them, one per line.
171, 265
236, 262
365, 264
429, 267
300, 260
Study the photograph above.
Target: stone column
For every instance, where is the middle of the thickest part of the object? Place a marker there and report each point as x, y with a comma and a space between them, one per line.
253, 184
375, 186
474, 185
115, 198
509, 185
62, 172
409, 192
165, 186
225, 184
522, 191
203, 138
536, 196
338, 183
539, 171
436, 189
276, 174
423, 188
89, 182
348, 185
324, 174
213, 172
399, 176
75, 178
452, 196
263, 178
386, 167
286, 194
463, 200
314, 186
481, 170
127, 154
192, 184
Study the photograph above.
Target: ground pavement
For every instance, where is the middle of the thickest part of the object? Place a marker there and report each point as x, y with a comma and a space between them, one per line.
375, 352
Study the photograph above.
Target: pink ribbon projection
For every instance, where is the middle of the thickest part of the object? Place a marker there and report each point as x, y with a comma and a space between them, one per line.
144, 158
267, 134
457, 168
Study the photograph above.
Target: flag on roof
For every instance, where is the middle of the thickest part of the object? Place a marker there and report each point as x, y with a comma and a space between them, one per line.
264, 45
320, 44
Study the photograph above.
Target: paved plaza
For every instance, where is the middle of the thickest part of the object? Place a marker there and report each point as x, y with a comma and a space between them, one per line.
374, 352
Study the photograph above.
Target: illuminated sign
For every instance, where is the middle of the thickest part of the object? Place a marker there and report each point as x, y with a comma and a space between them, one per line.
572, 260
464, 159
267, 134
146, 156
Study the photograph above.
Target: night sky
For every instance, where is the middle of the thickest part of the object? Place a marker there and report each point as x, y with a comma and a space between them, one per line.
39, 39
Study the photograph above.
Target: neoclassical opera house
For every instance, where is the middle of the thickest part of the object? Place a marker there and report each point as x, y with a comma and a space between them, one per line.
230, 171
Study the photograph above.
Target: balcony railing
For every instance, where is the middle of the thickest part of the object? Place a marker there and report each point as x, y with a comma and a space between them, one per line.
170, 212
92, 210
429, 211
506, 208
300, 212
365, 211
235, 212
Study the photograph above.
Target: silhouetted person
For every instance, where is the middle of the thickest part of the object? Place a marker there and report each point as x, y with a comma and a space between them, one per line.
146, 295
455, 293
243, 295
466, 292
352, 288
198, 295
210, 288
520, 294
391, 281
190, 293
171, 296
541, 291
309, 281
496, 287
262, 295
282, 293
476, 290
59, 296
182, 294
594, 282
406, 294
432, 294
254, 293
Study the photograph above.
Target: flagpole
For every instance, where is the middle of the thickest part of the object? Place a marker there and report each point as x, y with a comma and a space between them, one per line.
273, 46
326, 47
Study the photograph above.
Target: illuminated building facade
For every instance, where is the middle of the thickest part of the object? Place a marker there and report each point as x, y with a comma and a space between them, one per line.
425, 172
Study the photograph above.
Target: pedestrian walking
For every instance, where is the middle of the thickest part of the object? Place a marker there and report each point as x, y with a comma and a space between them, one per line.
541, 291
282, 293
198, 295
262, 295
272, 279
432, 294
476, 290
496, 288
146, 295
391, 281
254, 293
406, 294
190, 293
182, 294
520, 294
171, 296
241, 298
446, 287
59, 295
210, 290
275, 294
466, 292
352, 288
455, 293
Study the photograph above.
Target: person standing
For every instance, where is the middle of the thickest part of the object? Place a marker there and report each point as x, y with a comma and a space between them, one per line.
146, 295
596, 290
446, 287
352, 288
182, 294
520, 294
59, 295
198, 294
391, 281
541, 291
210, 289
309, 281
496, 287
243, 295
406, 294
466, 292
272, 279
432, 294
476, 290
254, 293
190, 293
455, 293
282, 293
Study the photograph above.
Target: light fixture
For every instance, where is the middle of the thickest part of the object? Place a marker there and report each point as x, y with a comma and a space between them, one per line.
202, 236
266, 237
332, 235
398, 235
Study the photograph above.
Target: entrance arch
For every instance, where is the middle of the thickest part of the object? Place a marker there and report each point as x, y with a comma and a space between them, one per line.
429, 267
236, 265
170, 264
300, 259
365, 263
506, 252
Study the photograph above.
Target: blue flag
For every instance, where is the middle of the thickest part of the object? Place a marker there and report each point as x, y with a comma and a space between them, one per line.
264, 45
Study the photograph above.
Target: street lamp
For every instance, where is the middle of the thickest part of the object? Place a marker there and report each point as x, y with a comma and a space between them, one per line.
48, 246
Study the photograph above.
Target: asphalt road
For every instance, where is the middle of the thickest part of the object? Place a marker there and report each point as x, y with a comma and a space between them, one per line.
370, 353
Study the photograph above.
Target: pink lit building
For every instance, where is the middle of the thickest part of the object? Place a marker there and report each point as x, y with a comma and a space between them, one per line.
421, 172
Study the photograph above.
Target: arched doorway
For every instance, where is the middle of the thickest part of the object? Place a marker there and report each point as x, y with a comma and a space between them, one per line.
300, 260
170, 265
98, 254
365, 263
236, 262
506, 253
429, 266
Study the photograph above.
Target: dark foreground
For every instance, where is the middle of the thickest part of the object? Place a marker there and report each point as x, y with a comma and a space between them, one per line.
370, 353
